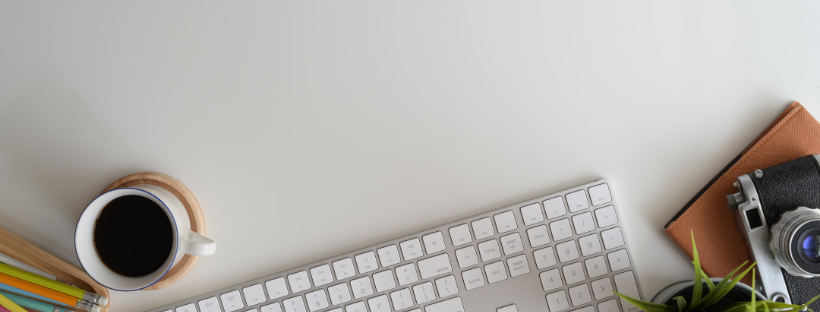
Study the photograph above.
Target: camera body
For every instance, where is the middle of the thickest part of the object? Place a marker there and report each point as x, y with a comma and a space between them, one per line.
776, 213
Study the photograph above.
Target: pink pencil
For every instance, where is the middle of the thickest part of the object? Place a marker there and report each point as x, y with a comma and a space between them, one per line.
3, 309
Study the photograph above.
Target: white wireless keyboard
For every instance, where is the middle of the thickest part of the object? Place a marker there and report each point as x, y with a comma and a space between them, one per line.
560, 252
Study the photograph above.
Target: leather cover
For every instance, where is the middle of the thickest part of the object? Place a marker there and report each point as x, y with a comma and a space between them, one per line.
795, 133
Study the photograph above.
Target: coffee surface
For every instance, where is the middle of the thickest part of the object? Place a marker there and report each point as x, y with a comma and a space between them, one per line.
133, 236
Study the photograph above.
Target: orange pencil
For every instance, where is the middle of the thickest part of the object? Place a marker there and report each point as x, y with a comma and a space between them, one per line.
45, 292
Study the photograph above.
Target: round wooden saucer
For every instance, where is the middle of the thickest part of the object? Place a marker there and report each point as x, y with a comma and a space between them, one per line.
191, 205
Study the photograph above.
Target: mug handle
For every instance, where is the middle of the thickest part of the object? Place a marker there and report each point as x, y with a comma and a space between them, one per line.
198, 245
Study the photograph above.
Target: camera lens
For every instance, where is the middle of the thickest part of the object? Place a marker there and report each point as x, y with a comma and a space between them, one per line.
795, 242
810, 246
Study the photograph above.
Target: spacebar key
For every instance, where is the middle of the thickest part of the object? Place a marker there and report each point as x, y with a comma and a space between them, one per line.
435, 266
451, 305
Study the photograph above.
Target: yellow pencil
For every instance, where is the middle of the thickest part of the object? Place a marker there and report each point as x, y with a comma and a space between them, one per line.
11, 306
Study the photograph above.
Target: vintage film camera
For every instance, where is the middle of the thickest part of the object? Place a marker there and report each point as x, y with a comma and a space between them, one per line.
777, 214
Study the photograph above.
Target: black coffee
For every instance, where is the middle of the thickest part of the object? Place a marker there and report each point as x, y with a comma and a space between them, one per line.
133, 236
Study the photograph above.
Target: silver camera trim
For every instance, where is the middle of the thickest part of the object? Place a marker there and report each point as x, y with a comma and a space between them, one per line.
758, 240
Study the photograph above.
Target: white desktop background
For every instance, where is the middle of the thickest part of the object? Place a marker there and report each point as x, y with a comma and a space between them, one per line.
312, 128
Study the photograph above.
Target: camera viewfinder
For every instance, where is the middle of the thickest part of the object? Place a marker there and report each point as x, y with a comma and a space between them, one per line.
753, 218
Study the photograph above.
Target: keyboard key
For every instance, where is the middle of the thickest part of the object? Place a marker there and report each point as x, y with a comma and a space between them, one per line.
339, 293
625, 284
424, 293
411, 249
273, 307
366, 262
518, 265
466, 257
434, 242
461, 235
602, 288
321, 275
589, 244
388, 255
295, 304
585, 309
489, 250
356, 307
560, 229
577, 201
612, 238
435, 266
512, 244
211, 305
446, 286
317, 300
599, 194
407, 274
608, 306
276, 288
538, 236
401, 299
509, 308
606, 216
495, 272
334, 310
557, 301
583, 223
254, 294
483, 228
567, 251
580, 295
555, 207
596, 266
505, 221
361, 287
384, 281
551, 279
473, 278
618, 260
344, 268
532, 214
379, 304
544, 258
186, 308
299, 281
232, 301
573, 273
451, 305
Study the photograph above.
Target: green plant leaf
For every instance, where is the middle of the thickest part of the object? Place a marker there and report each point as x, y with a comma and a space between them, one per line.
754, 295
681, 303
697, 293
709, 282
647, 306
724, 286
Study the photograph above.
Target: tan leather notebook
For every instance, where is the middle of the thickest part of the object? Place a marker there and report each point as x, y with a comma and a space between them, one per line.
795, 133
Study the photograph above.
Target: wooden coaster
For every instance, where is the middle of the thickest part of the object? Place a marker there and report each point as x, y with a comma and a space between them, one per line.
191, 205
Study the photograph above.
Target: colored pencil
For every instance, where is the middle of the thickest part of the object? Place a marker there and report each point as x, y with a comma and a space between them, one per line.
31, 303
42, 291
18, 291
20, 265
3, 309
10, 305
53, 285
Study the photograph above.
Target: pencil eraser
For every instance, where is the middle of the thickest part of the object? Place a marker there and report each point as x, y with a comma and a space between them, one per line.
96, 308
103, 301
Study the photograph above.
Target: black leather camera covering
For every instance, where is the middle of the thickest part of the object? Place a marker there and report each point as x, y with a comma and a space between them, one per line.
785, 187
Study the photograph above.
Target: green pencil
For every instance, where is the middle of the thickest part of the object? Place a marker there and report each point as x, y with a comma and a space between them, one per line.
53, 285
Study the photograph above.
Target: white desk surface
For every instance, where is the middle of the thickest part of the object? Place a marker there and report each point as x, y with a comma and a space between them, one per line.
309, 129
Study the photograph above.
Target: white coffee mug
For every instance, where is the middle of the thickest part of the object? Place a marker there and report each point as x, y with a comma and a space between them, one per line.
185, 241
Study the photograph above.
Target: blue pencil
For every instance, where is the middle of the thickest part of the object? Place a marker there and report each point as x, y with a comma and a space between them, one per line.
18, 291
